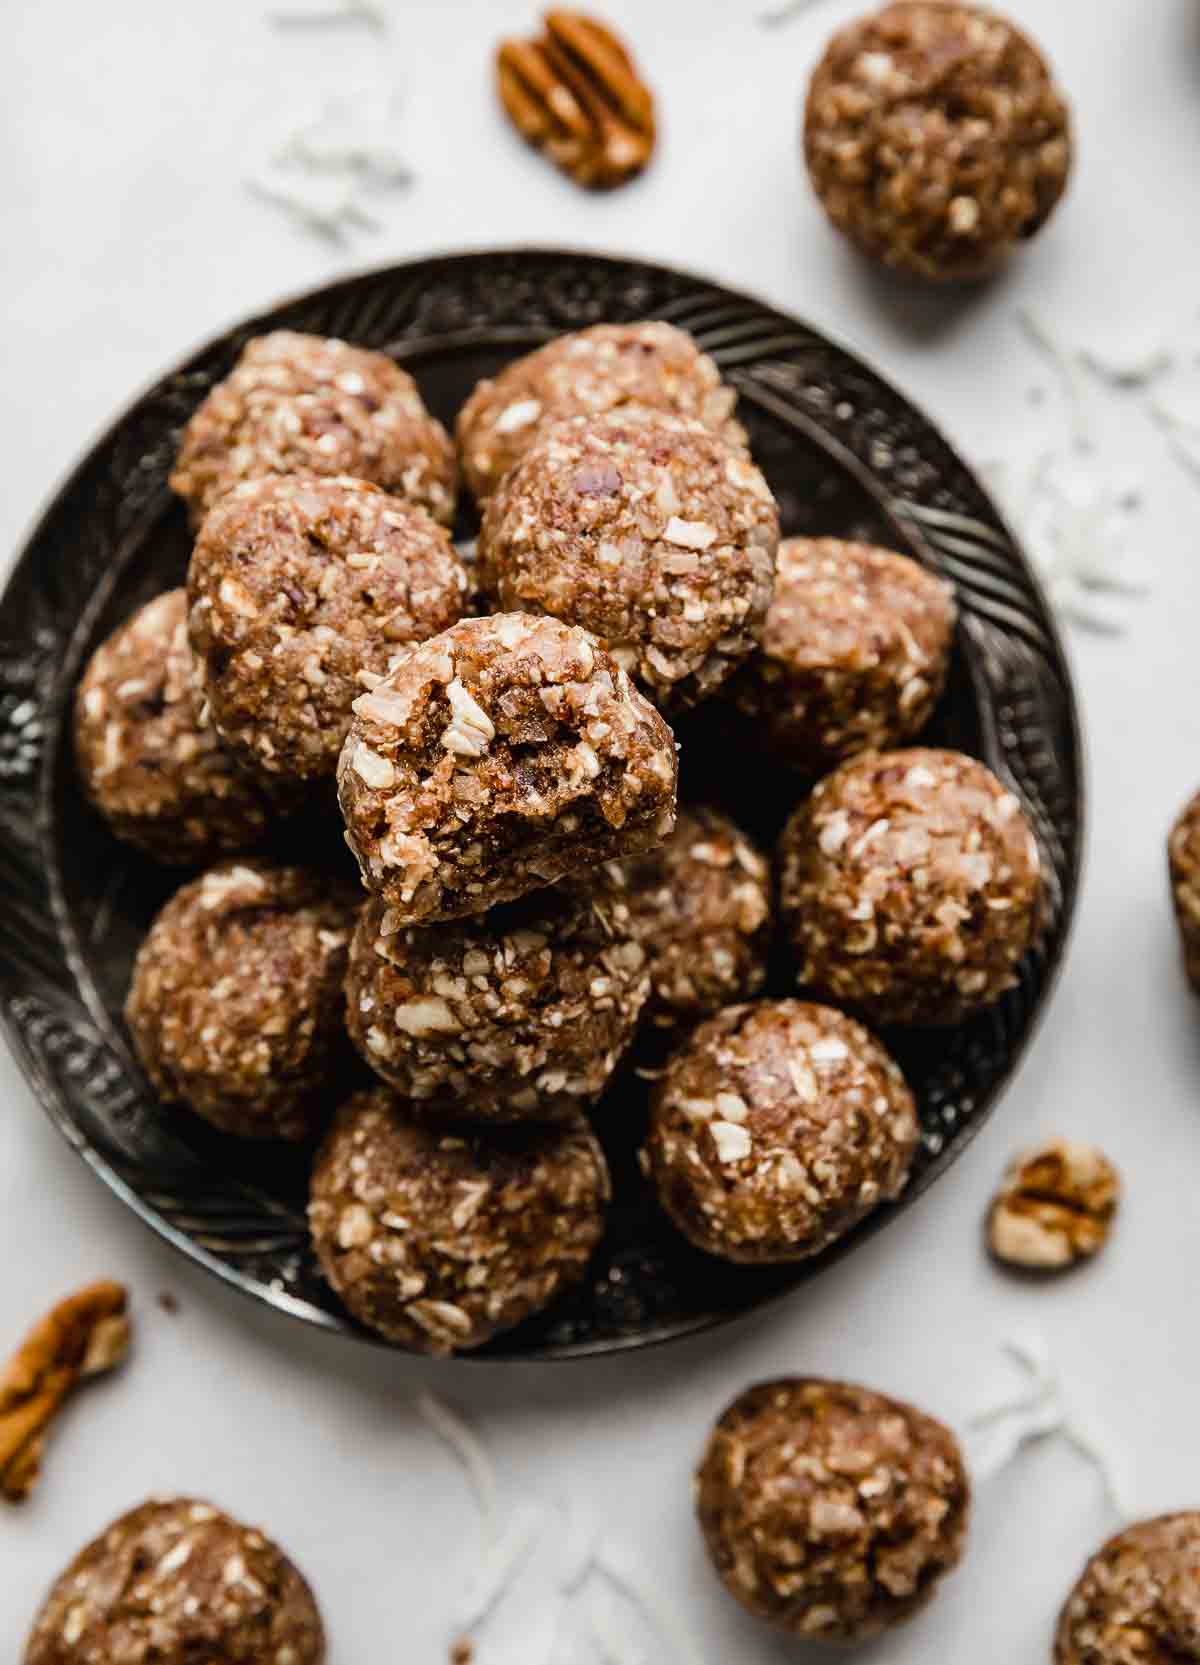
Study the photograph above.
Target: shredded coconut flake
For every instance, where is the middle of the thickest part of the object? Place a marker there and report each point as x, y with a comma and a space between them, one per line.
519, 415
690, 534
732, 1142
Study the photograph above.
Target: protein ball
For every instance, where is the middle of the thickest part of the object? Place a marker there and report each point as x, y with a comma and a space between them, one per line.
1137, 1602
910, 886
174, 1582
647, 529
589, 373
305, 404
775, 1128
148, 759
496, 758
440, 1240
1183, 852
700, 906
936, 138
235, 1006
302, 591
829, 1510
853, 657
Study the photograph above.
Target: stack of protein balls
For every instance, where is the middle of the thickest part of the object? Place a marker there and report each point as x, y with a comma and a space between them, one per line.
501, 734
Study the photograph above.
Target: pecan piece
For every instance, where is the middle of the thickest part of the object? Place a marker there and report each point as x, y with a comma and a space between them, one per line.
1054, 1207
576, 94
83, 1336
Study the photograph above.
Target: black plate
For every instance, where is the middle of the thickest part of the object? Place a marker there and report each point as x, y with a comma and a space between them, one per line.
845, 454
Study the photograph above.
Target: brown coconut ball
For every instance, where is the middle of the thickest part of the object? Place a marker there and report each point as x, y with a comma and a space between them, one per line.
176, 1582
831, 1511
235, 1007
305, 404
936, 137
1183, 854
650, 531
700, 906
910, 886
853, 657
149, 758
775, 1129
588, 373
496, 758
520, 1014
302, 591
441, 1238
1137, 1602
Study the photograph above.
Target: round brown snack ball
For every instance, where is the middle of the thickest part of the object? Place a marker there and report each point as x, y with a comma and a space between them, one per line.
647, 529
302, 591
775, 1129
936, 137
175, 1582
853, 656
235, 1005
1183, 854
910, 886
587, 374
700, 905
304, 404
440, 1240
829, 1510
496, 758
520, 1014
1137, 1602
148, 759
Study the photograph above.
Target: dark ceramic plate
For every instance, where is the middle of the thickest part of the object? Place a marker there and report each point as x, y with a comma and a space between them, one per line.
845, 454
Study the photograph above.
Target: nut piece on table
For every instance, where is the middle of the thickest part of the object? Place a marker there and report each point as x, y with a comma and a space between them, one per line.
85, 1335
1183, 855
1055, 1206
1136, 1598
576, 94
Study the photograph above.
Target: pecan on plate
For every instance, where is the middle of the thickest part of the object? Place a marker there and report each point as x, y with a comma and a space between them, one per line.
576, 94
1054, 1207
85, 1335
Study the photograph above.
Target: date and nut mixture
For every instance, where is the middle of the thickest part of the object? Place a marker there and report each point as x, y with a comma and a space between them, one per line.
590, 372
911, 886
149, 757
235, 1007
1055, 1207
936, 138
302, 590
440, 1238
1137, 1602
497, 758
176, 1582
775, 1129
830, 1510
651, 531
307, 404
1183, 854
853, 656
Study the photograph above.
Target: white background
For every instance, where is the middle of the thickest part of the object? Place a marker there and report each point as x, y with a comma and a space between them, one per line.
126, 237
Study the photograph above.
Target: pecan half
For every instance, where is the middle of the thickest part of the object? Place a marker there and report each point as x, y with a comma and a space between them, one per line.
576, 94
83, 1336
1054, 1207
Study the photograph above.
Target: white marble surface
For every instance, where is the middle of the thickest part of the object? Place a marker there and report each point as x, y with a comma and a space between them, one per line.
127, 237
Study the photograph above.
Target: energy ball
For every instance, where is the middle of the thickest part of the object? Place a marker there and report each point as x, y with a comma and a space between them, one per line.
235, 1007
496, 758
700, 906
936, 138
910, 887
853, 657
775, 1129
302, 590
589, 373
829, 1510
1137, 1602
175, 1582
148, 759
647, 529
302, 404
1183, 852
520, 1014
440, 1240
